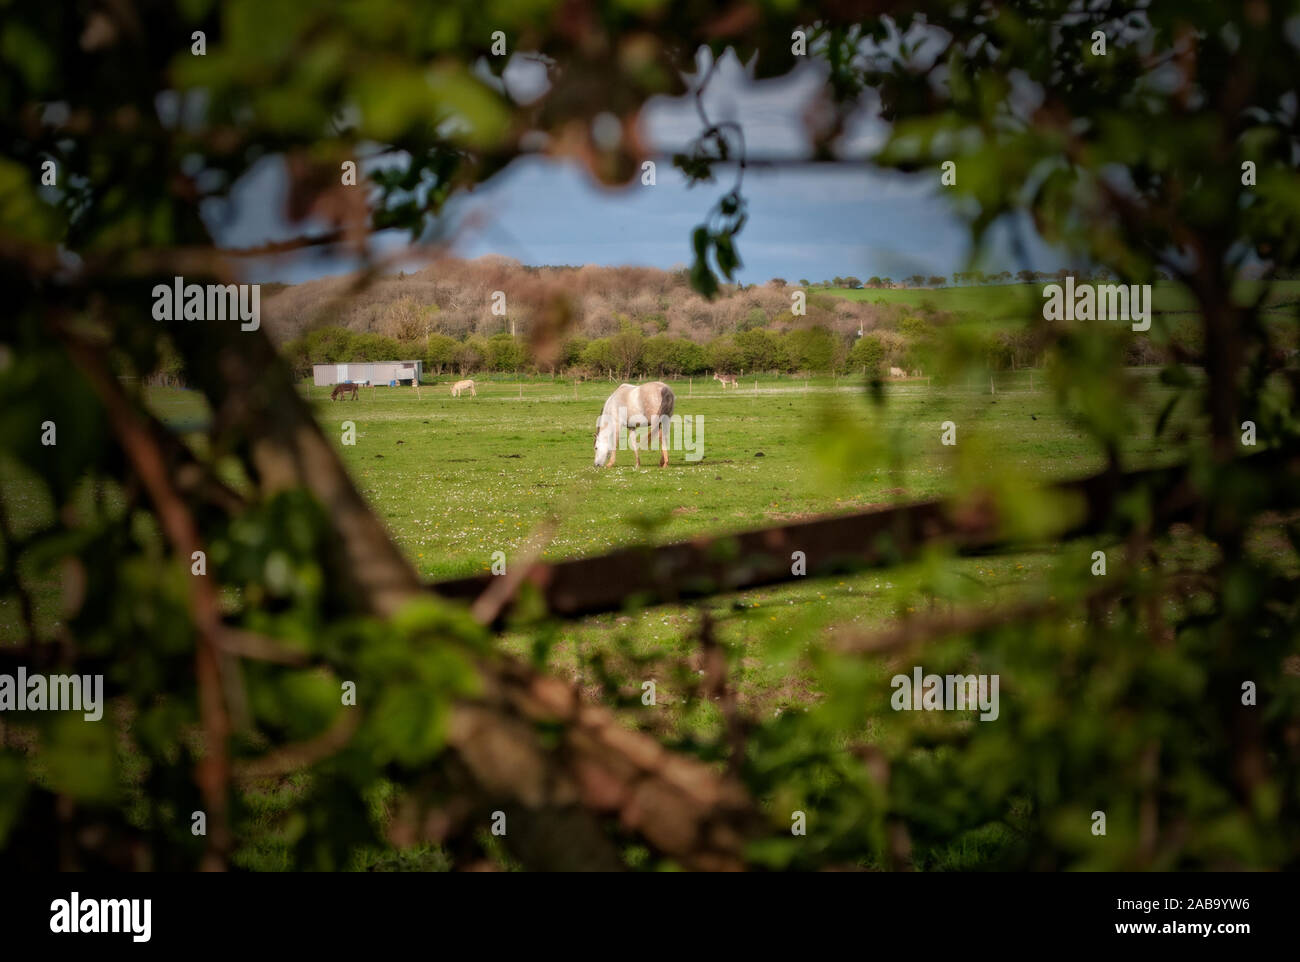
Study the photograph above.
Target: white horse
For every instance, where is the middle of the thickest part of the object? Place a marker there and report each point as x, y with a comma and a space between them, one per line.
725, 379
897, 372
628, 408
463, 386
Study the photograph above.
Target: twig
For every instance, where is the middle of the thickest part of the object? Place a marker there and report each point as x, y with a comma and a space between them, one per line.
149, 464
292, 758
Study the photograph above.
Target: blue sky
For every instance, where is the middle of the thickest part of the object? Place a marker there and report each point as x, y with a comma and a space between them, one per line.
805, 221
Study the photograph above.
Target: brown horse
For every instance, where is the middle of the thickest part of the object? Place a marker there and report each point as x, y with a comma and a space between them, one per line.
341, 390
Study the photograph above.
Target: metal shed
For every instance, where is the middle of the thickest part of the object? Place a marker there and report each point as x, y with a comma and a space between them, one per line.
367, 372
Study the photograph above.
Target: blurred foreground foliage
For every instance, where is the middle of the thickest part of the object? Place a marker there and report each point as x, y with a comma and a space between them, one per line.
1120, 694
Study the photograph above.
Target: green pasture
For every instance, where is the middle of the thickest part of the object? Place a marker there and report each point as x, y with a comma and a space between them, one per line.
457, 479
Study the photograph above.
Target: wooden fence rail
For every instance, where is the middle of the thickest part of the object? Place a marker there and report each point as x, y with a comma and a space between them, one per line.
713, 565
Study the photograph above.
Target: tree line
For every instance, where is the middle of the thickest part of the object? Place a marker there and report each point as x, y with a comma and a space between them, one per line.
815, 349
629, 353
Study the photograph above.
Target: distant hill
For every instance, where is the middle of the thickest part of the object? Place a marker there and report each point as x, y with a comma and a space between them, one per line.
455, 298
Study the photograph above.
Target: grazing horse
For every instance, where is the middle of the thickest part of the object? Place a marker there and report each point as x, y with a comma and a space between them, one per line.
341, 390
897, 372
466, 385
629, 408
725, 379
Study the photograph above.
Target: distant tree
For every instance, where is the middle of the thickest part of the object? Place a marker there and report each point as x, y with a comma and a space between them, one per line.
504, 353
873, 281
659, 355
867, 352
936, 280
439, 353
810, 348
777, 282
571, 351
376, 347
723, 355
328, 345
598, 357
760, 350
690, 357
756, 317
626, 348
471, 354
405, 319
914, 327
803, 282
852, 283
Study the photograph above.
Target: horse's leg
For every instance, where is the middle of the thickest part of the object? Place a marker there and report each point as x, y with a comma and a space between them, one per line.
631, 441
655, 430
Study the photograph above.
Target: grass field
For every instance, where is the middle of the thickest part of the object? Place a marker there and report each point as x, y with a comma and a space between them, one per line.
457, 479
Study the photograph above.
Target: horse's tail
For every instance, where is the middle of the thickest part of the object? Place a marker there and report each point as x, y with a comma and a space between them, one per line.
666, 401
